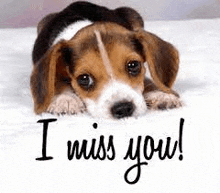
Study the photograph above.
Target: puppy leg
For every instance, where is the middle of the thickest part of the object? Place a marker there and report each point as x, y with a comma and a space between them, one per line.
158, 100
66, 103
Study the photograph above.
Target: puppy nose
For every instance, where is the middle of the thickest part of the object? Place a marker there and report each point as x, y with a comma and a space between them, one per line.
122, 109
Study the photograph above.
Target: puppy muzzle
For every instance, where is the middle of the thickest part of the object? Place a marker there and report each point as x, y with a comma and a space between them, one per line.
117, 100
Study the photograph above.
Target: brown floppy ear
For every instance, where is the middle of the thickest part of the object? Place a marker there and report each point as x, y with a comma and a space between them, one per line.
47, 73
162, 59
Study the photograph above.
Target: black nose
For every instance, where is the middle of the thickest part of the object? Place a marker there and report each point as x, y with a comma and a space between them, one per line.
122, 109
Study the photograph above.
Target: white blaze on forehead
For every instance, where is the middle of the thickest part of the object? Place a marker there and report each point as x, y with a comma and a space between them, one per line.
104, 54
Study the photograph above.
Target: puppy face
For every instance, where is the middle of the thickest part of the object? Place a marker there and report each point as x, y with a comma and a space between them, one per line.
103, 64
107, 71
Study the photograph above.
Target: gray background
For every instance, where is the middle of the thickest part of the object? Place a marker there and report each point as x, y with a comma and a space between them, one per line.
24, 13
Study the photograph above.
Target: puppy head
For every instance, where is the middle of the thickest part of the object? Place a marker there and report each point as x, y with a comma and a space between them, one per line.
105, 65
108, 73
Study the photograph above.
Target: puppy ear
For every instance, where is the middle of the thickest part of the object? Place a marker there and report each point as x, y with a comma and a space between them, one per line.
162, 59
130, 17
47, 72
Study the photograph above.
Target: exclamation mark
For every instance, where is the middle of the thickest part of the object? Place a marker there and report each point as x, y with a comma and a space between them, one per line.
181, 139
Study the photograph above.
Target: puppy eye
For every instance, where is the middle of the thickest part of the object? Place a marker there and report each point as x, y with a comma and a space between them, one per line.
85, 81
134, 67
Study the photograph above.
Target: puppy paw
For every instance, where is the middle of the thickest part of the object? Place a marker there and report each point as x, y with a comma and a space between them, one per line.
66, 103
158, 100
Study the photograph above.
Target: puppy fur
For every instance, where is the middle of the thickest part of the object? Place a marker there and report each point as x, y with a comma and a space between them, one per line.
100, 67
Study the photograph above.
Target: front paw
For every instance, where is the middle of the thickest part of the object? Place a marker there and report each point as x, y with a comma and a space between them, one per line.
158, 100
66, 103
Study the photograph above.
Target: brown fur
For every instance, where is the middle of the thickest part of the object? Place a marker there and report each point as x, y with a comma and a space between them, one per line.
47, 73
161, 57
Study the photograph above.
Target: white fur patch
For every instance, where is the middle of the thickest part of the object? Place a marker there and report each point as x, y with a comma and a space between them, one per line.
71, 30
113, 93
66, 103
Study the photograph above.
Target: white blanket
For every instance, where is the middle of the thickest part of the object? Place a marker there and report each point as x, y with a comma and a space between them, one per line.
198, 83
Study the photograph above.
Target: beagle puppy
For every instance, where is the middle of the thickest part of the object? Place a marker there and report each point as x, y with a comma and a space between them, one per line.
90, 58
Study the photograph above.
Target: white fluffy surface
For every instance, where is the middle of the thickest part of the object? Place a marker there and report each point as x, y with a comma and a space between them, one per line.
198, 83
